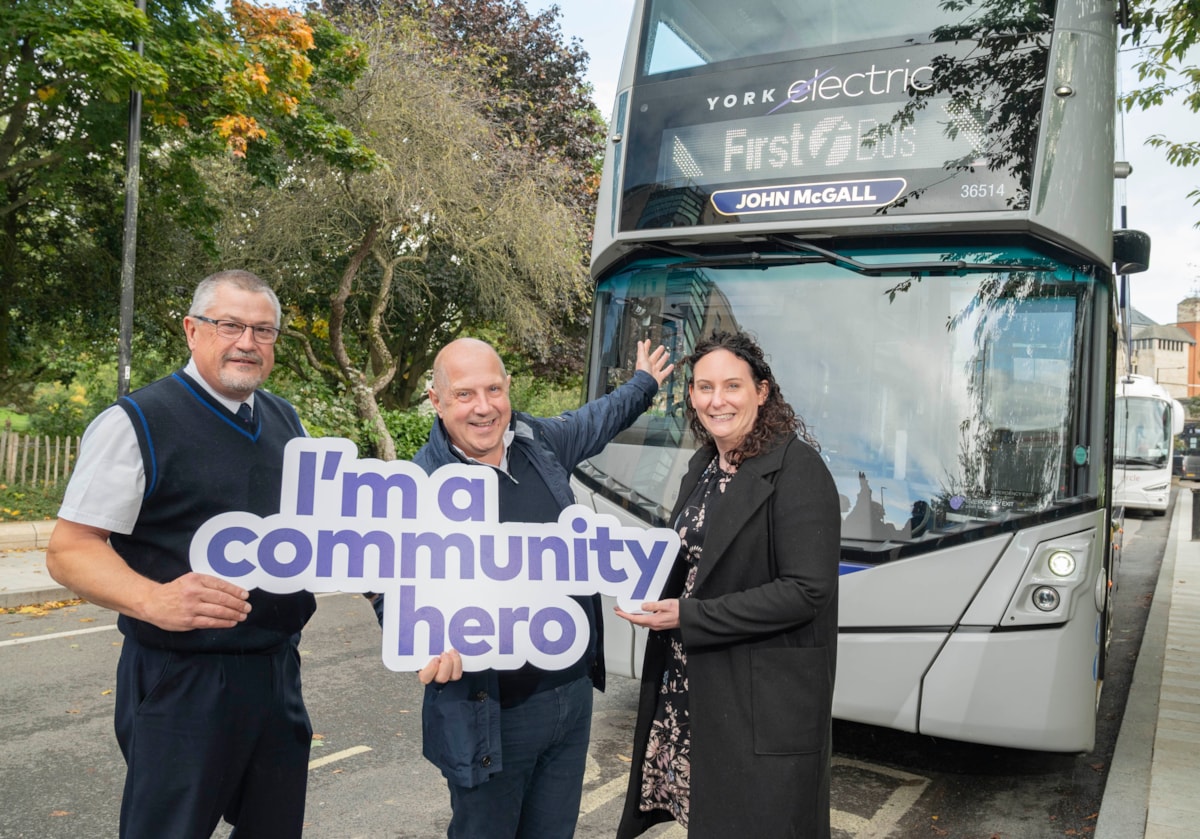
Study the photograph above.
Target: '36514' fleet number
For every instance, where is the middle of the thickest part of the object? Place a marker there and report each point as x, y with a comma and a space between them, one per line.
981, 190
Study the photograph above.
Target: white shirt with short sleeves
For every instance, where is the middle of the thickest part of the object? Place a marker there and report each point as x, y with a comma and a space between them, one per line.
108, 481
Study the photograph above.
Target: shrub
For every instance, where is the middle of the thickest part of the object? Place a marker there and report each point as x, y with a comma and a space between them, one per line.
542, 399
61, 410
29, 503
325, 411
410, 429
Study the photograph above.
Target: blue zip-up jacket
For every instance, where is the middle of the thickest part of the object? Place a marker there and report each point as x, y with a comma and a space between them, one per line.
460, 720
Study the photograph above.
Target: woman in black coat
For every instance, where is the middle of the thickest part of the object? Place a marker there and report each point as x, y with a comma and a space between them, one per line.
733, 730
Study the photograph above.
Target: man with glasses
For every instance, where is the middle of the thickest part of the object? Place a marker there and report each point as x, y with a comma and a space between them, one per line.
209, 711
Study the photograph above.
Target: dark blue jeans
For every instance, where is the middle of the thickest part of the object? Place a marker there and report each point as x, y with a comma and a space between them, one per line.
544, 743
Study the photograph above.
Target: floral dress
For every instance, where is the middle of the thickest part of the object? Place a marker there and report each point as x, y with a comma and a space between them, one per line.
666, 771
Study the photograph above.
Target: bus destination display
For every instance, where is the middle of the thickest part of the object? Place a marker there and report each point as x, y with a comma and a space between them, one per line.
848, 135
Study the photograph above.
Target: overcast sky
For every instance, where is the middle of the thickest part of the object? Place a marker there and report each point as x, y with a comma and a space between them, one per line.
1155, 196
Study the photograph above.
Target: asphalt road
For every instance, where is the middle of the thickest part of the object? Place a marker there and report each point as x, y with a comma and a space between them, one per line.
61, 772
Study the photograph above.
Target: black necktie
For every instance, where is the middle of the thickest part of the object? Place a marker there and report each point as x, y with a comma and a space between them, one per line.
245, 414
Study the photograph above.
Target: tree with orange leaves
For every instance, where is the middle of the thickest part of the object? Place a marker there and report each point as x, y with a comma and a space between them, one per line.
248, 82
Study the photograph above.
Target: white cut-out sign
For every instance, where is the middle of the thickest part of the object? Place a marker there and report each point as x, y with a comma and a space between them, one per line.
453, 575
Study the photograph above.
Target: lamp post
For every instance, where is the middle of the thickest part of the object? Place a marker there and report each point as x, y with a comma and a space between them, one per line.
133, 156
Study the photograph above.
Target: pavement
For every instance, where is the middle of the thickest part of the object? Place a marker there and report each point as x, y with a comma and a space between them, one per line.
24, 580
1153, 785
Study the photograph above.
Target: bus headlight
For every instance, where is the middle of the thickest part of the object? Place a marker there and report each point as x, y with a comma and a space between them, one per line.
1046, 598
1061, 564
1059, 575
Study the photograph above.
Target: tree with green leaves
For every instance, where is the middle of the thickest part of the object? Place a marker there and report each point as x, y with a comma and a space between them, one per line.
534, 79
1168, 33
247, 83
454, 230
537, 97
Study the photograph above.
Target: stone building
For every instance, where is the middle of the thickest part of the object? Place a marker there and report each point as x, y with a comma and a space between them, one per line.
1166, 354
1187, 319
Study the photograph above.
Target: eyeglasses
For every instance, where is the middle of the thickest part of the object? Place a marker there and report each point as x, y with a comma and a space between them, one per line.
231, 329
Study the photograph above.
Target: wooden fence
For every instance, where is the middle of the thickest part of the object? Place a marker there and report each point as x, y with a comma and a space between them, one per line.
30, 460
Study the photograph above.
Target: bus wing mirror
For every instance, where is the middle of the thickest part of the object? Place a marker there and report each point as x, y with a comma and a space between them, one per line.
1131, 251
1123, 14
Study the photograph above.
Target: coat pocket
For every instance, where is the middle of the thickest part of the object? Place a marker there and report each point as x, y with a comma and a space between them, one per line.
791, 699
461, 735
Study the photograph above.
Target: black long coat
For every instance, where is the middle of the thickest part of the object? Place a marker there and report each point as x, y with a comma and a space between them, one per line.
761, 641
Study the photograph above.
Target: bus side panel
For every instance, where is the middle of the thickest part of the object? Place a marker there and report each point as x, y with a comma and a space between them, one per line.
879, 676
1069, 202
1025, 690
909, 608
622, 652
925, 591
1030, 688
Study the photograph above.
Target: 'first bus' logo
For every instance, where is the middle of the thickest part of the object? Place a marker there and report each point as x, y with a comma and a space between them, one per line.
831, 195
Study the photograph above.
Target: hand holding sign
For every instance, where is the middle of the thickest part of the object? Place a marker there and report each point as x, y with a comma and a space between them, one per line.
446, 667
659, 615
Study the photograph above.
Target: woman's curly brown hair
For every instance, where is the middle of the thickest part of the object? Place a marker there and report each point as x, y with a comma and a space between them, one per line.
775, 416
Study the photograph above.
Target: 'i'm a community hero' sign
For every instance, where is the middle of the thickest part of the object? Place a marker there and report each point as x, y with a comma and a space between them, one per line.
453, 575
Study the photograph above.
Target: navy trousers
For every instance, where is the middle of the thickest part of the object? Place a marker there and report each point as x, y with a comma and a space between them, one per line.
208, 735
544, 741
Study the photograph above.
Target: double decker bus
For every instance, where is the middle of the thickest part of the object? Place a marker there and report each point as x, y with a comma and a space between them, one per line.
1146, 420
910, 205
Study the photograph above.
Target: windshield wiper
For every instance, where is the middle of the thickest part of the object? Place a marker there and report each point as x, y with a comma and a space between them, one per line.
741, 259
810, 253
874, 269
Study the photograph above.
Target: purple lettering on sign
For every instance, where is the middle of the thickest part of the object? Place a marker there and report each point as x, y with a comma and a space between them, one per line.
501, 593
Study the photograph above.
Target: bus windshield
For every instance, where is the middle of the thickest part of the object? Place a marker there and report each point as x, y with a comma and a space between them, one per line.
939, 402
1143, 432
683, 34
